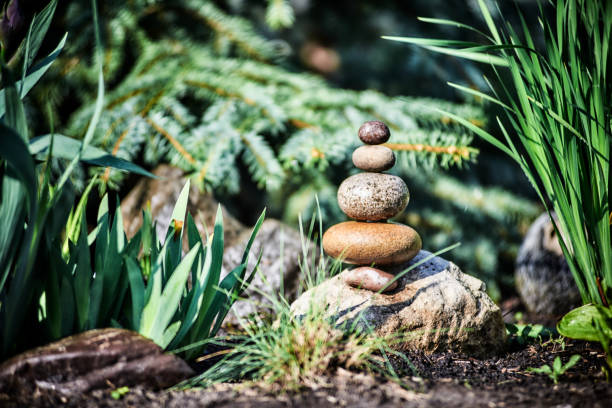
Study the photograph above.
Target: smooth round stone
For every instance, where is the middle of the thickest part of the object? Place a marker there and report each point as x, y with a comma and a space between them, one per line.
373, 196
373, 158
374, 132
364, 243
366, 277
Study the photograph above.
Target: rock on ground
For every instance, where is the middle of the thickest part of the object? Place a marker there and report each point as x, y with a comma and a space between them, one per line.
437, 305
92, 360
543, 278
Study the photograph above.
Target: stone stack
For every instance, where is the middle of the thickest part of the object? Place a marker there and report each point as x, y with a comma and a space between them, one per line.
371, 198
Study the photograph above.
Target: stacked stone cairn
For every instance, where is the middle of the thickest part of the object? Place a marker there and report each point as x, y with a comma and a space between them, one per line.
371, 198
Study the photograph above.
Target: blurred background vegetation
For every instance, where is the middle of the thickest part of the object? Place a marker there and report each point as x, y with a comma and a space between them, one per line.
260, 101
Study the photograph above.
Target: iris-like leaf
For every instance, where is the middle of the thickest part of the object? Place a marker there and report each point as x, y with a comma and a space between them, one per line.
67, 148
34, 75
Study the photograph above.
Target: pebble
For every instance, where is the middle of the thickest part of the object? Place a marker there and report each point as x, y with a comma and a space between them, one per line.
374, 132
364, 243
366, 277
373, 196
373, 158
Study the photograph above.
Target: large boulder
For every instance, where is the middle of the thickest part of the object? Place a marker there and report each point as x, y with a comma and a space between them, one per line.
436, 305
91, 360
543, 278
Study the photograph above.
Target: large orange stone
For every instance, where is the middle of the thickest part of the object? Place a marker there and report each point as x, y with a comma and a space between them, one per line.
363, 243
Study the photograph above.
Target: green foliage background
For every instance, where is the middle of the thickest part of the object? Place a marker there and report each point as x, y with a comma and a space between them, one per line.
209, 87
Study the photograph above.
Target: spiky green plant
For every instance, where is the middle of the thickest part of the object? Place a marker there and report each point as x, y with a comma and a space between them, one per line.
557, 102
52, 286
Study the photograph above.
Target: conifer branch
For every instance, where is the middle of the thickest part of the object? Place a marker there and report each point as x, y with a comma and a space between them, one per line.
172, 141
457, 152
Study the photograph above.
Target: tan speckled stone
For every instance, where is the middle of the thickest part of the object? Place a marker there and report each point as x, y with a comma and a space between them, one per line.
364, 243
366, 277
373, 196
375, 158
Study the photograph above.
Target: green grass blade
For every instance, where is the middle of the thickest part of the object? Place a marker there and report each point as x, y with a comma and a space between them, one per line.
489, 20
462, 53
82, 275
480, 95
441, 21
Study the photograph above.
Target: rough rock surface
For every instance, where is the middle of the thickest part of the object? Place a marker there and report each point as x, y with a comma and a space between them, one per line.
543, 278
373, 158
162, 193
282, 248
438, 307
373, 196
91, 360
363, 243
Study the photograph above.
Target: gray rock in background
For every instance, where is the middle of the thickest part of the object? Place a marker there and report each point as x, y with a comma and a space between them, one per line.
441, 307
280, 262
162, 193
543, 278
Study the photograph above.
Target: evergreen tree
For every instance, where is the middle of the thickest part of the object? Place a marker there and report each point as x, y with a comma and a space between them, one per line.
198, 88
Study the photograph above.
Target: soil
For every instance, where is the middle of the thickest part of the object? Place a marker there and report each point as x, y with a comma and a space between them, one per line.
443, 379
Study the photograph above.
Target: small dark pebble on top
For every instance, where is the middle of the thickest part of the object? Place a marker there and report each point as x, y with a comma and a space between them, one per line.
374, 132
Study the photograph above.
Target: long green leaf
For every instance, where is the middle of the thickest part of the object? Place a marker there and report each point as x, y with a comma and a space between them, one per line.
38, 29
14, 150
34, 75
67, 148
463, 53
136, 289
170, 298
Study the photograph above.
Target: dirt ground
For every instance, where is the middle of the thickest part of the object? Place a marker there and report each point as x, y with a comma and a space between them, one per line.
444, 380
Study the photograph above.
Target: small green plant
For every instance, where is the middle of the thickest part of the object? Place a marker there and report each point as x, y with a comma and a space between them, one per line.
591, 323
557, 102
528, 333
119, 393
557, 369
